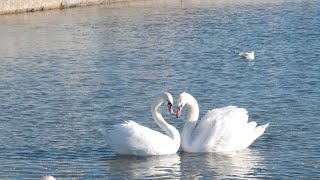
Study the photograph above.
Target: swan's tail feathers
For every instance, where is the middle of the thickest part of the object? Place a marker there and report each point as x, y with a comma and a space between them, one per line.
253, 132
262, 128
258, 131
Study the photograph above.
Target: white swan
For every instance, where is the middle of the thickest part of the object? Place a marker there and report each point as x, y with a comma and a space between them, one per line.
247, 55
131, 138
223, 129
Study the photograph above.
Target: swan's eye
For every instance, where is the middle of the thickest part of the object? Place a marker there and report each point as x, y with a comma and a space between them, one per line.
180, 103
169, 103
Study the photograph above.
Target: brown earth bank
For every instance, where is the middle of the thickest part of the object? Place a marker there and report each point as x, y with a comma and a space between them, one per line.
20, 6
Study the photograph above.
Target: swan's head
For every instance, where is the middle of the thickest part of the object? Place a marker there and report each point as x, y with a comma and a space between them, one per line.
167, 97
182, 101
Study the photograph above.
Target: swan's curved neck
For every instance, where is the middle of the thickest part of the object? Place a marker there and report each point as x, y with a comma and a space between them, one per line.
188, 127
171, 131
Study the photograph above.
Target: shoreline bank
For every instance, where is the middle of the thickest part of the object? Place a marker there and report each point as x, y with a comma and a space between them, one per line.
18, 6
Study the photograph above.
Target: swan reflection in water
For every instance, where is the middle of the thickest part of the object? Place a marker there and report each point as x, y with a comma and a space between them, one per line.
240, 164
151, 167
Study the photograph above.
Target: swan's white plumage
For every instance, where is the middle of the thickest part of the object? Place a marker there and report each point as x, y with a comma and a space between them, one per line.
221, 129
247, 55
130, 138
133, 139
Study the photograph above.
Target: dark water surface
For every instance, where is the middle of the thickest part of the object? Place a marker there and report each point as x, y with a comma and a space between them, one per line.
67, 76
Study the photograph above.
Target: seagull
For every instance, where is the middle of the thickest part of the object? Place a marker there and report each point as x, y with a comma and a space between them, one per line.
48, 178
247, 55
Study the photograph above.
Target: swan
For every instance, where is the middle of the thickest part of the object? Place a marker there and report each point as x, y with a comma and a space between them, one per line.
220, 130
130, 138
247, 55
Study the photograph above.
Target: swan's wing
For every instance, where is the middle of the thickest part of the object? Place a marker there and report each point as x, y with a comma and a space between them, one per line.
225, 129
215, 123
133, 139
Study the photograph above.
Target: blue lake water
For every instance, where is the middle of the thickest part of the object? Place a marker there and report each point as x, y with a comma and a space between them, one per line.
67, 76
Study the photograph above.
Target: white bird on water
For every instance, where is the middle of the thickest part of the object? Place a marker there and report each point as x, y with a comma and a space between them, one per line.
48, 178
247, 55
223, 129
130, 138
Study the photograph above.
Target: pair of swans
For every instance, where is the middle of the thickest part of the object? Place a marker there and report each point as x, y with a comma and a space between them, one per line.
223, 129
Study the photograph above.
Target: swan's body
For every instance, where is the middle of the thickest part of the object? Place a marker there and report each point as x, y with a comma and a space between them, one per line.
222, 129
247, 55
130, 138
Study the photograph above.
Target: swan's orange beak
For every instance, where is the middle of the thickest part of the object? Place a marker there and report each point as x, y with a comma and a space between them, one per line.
179, 110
